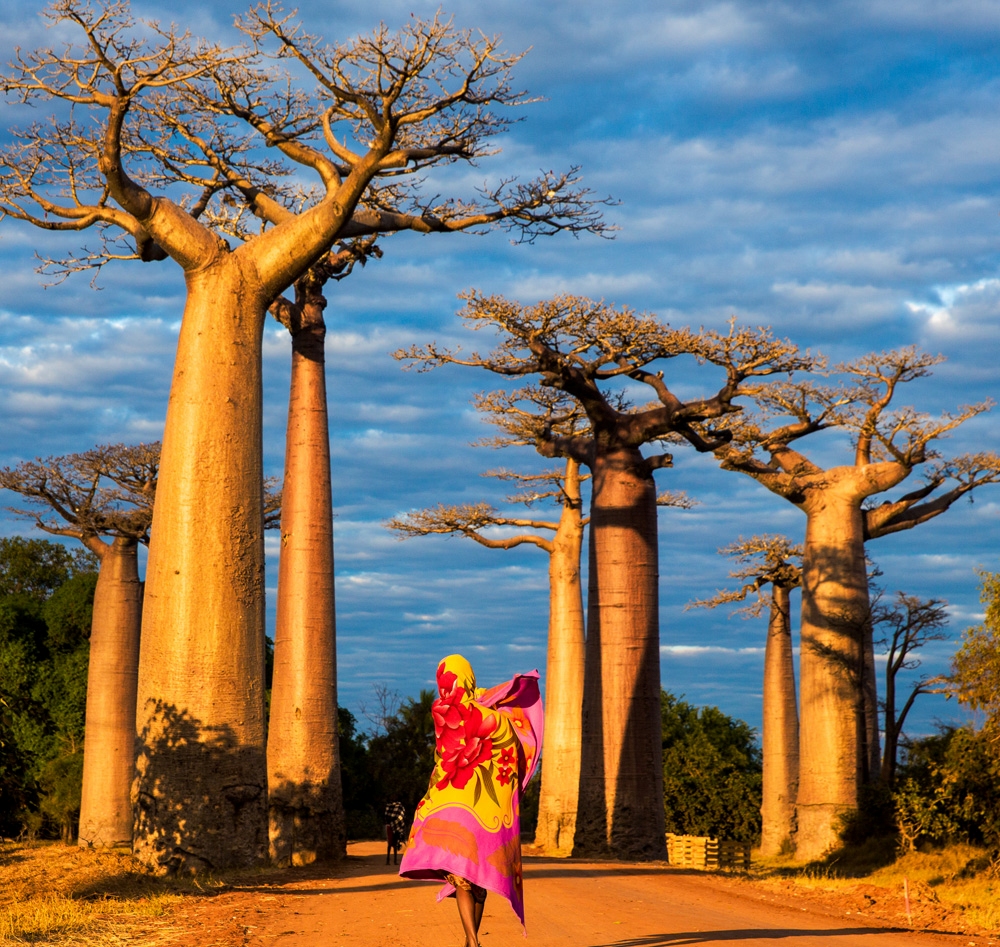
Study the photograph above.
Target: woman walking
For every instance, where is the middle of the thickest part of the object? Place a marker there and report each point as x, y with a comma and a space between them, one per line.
467, 829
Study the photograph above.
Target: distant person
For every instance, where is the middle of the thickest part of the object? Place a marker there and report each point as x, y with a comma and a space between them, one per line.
467, 829
395, 829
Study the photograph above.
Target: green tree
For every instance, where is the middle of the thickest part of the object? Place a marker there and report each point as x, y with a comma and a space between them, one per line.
975, 669
949, 786
45, 613
401, 759
33, 567
711, 772
948, 789
360, 816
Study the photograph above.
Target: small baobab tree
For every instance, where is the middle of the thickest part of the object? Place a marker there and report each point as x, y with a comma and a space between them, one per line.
888, 443
769, 560
905, 626
584, 349
104, 498
163, 141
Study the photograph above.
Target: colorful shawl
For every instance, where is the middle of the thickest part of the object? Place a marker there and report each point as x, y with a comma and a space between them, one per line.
487, 747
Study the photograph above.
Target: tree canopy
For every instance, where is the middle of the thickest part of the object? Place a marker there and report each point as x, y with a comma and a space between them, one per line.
45, 605
711, 772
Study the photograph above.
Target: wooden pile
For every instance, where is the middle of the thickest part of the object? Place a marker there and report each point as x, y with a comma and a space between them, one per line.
701, 851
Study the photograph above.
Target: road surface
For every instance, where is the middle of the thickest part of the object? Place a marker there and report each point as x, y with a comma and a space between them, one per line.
568, 904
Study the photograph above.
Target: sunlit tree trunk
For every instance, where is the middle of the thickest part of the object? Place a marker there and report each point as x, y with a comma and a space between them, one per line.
303, 760
835, 608
781, 730
201, 784
557, 804
621, 781
109, 740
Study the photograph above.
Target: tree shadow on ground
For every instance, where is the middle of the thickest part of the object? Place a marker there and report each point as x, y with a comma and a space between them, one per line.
10, 854
681, 939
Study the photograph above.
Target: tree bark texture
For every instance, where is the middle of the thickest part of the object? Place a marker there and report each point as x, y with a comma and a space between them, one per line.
780, 730
112, 676
201, 782
621, 781
835, 609
306, 812
557, 804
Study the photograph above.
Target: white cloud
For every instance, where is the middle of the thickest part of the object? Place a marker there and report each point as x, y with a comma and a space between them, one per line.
690, 650
967, 310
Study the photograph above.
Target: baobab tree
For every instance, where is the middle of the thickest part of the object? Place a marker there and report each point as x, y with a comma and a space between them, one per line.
582, 348
908, 624
165, 141
888, 444
768, 560
104, 498
305, 797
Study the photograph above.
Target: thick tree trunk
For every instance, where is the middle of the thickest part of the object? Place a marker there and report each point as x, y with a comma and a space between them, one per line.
835, 609
621, 780
201, 784
109, 741
557, 802
303, 760
781, 730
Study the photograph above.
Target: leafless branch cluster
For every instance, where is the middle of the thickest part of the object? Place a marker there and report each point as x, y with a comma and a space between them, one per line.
471, 519
906, 625
861, 404
155, 120
765, 559
107, 491
577, 347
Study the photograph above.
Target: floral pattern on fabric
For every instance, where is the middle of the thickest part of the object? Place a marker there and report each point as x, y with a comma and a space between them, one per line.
486, 748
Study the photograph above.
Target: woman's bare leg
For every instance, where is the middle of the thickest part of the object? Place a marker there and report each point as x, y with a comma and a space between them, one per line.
470, 914
479, 915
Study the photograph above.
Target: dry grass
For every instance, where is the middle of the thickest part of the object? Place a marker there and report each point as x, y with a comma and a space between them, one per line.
53, 894
951, 884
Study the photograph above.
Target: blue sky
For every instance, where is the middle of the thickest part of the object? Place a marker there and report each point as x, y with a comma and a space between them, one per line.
829, 169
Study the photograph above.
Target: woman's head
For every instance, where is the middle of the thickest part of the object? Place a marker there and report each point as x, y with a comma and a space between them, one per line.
455, 671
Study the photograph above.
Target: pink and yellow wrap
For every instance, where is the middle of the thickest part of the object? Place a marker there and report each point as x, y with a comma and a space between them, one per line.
487, 747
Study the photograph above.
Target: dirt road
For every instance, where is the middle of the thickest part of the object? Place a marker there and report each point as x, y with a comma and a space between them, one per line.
568, 904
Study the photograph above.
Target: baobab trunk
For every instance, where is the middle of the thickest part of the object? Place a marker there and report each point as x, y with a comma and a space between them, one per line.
303, 761
109, 741
781, 730
557, 804
201, 782
835, 608
621, 781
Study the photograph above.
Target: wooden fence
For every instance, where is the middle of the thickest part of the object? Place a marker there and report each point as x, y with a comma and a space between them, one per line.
700, 851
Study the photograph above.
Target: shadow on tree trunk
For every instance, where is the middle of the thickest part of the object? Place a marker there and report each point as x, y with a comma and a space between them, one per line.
307, 823
591, 817
214, 818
